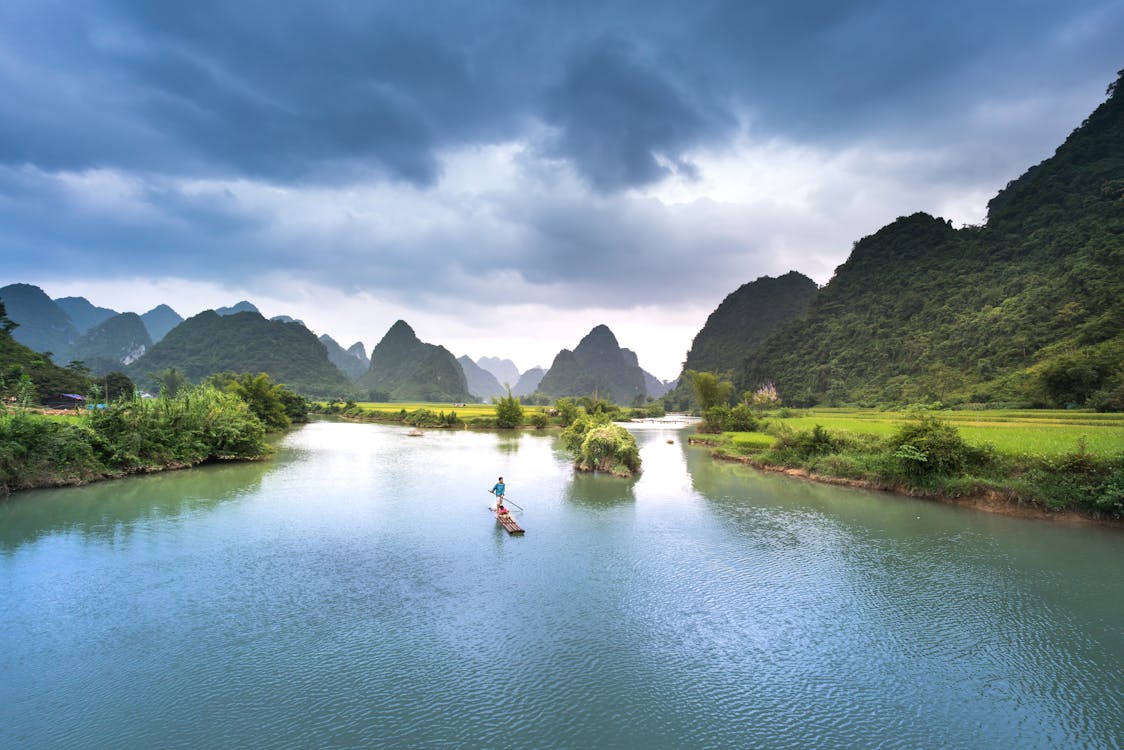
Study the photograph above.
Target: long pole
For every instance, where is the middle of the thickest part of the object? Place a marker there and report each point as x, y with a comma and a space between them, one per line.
506, 499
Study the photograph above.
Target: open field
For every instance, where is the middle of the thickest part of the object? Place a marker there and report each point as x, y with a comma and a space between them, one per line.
467, 411
1029, 432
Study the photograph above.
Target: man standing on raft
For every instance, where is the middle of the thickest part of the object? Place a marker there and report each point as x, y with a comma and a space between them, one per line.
498, 491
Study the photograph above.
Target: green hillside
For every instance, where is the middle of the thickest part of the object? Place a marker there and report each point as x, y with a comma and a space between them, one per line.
17, 360
159, 320
112, 344
43, 325
598, 365
1027, 309
351, 362
83, 313
403, 368
209, 343
746, 318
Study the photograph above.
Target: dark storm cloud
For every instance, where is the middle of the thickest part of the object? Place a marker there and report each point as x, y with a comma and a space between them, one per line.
618, 118
332, 91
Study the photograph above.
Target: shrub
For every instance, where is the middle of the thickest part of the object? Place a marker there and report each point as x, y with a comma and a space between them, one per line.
713, 418
806, 443
509, 412
610, 448
574, 435
568, 411
539, 420
930, 447
741, 419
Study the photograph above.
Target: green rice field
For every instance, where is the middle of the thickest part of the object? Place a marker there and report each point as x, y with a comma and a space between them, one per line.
467, 411
1029, 432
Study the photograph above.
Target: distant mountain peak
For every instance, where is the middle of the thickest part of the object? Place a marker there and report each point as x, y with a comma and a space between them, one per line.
238, 307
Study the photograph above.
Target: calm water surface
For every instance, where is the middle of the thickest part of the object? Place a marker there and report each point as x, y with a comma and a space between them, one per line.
355, 592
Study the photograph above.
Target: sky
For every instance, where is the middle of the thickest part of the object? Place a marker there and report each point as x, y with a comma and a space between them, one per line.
504, 176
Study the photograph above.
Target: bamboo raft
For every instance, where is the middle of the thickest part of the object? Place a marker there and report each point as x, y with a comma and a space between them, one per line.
508, 523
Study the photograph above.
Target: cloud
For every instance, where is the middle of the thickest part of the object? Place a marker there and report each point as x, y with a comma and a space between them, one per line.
624, 123
573, 163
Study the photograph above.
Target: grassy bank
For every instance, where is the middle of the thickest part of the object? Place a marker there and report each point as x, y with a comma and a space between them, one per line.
129, 436
1054, 460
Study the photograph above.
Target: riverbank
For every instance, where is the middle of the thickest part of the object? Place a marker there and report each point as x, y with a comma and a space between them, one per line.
136, 436
930, 461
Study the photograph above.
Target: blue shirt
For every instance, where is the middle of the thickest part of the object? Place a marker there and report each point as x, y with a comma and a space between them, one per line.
498, 489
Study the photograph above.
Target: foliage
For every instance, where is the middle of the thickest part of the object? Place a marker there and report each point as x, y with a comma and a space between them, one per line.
597, 444
568, 411
209, 343
1027, 309
509, 412
430, 418
197, 424
407, 369
931, 456
539, 420
36, 452
929, 447
117, 385
765, 397
723, 418
740, 325
1109, 398
599, 366
46, 378
134, 434
574, 434
169, 381
710, 390
272, 403
804, 444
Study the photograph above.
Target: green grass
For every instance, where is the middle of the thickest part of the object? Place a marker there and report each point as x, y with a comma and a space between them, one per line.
749, 442
1043, 433
468, 411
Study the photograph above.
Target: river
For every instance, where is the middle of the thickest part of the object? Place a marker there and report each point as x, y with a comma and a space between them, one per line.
354, 592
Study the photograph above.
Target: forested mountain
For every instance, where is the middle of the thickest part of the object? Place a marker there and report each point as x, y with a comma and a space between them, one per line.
746, 318
504, 370
17, 360
110, 345
1028, 308
481, 383
403, 368
210, 343
159, 320
598, 365
83, 313
528, 382
352, 361
43, 326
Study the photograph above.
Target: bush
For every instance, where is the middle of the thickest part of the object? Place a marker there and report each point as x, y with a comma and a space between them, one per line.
713, 418
197, 424
805, 444
36, 451
539, 420
930, 447
741, 419
568, 411
610, 448
509, 412
574, 435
